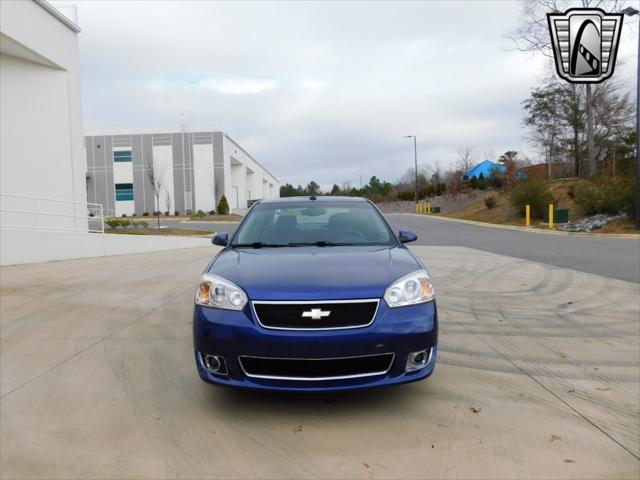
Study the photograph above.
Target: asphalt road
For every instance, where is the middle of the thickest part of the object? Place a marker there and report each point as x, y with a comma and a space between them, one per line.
537, 377
611, 257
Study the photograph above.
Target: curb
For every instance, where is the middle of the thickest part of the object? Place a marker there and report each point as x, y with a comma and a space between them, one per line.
622, 236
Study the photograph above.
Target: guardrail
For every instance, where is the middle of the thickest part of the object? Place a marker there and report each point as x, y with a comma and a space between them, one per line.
50, 214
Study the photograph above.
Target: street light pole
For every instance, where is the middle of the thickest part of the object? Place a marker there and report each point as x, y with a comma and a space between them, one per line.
415, 158
631, 12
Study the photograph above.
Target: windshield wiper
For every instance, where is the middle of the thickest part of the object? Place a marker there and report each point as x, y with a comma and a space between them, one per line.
320, 243
257, 245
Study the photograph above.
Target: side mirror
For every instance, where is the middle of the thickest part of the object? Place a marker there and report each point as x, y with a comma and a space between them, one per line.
406, 236
221, 239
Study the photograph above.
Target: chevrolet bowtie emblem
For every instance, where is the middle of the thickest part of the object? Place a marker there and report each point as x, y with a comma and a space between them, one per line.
585, 43
316, 314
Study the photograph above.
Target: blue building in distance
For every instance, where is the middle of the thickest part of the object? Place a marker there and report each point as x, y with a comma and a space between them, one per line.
486, 168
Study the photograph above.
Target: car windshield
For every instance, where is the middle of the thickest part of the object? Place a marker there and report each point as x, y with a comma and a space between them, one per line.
313, 223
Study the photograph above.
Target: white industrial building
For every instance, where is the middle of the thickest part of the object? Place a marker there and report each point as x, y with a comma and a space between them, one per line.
42, 164
43, 197
40, 118
172, 170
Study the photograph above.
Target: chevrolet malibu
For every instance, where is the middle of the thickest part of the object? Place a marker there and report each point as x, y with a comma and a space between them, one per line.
314, 294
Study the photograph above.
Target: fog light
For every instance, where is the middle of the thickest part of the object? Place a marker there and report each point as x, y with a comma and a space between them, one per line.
418, 360
214, 364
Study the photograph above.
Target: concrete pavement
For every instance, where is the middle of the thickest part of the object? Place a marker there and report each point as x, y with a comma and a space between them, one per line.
98, 381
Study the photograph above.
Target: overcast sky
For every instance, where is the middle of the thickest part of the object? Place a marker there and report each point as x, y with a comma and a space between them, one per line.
317, 91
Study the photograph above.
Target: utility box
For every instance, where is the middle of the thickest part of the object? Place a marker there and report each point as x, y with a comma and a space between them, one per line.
560, 215
435, 209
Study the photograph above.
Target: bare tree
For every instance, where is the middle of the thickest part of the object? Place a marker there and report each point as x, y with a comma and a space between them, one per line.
466, 159
489, 154
167, 200
532, 35
544, 115
407, 181
212, 187
555, 113
156, 180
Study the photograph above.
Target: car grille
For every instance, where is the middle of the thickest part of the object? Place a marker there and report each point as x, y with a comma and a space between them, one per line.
316, 369
291, 315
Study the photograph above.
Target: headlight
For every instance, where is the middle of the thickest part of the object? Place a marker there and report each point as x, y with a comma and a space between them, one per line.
409, 290
217, 292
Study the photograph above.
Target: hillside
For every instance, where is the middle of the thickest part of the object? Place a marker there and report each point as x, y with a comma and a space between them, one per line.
503, 214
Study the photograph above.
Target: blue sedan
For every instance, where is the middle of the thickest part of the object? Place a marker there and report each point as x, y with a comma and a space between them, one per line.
314, 294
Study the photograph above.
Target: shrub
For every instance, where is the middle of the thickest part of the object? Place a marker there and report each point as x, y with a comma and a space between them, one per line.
113, 222
405, 196
375, 198
125, 223
134, 215
166, 213
223, 206
490, 202
145, 214
212, 212
176, 213
198, 214
143, 224
134, 223
571, 192
533, 192
124, 214
606, 195
495, 181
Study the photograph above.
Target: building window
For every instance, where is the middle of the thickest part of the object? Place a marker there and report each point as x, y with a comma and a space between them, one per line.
122, 156
124, 191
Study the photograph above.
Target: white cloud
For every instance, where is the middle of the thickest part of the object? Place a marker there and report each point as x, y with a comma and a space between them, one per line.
313, 84
238, 86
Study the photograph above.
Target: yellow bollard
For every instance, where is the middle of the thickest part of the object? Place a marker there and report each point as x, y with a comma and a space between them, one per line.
551, 215
417, 208
528, 215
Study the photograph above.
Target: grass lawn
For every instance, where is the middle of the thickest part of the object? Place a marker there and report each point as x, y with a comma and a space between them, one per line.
159, 231
626, 225
216, 218
477, 211
207, 218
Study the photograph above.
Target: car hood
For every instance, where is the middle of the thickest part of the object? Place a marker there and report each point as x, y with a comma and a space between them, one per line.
314, 273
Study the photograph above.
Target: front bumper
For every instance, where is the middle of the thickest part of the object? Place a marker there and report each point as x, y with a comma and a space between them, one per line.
231, 334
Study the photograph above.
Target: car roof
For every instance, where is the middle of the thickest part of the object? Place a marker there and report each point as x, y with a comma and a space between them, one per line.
320, 198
